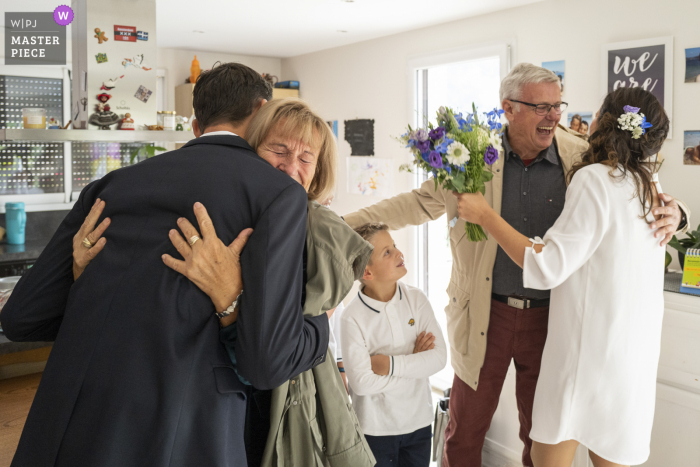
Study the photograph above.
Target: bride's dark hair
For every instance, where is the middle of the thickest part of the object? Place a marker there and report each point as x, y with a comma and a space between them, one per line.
615, 147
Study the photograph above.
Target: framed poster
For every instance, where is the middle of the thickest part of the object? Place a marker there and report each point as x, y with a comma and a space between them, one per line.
646, 63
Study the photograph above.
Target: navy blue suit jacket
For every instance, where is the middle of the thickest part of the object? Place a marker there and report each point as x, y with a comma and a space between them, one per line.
137, 375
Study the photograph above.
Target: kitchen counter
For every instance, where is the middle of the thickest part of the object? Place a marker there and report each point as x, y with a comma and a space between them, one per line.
7, 346
28, 251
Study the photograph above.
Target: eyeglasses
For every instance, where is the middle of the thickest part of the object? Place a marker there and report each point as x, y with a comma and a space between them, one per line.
544, 109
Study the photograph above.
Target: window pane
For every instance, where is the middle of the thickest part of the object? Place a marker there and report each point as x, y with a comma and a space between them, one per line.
30, 168
95, 160
454, 85
457, 85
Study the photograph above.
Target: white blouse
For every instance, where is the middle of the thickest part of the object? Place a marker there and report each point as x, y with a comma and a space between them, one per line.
597, 382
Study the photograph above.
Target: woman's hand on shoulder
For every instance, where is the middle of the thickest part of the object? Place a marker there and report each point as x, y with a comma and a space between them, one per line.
212, 266
89, 235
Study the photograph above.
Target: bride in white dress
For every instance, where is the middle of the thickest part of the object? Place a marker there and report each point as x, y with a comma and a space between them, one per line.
605, 267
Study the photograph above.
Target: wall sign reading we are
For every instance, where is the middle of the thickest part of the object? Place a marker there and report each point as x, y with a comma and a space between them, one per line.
646, 63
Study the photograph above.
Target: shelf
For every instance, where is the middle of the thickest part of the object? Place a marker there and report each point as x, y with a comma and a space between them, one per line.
108, 136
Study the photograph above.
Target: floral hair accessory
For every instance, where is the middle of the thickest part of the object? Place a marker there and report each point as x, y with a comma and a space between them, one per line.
633, 121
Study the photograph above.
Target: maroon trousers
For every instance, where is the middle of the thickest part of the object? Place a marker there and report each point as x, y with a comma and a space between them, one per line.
513, 334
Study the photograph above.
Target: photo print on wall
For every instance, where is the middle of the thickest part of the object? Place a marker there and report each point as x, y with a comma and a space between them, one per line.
691, 148
557, 67
692, 65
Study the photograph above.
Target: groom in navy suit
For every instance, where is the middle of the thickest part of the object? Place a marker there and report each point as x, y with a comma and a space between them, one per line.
137, 376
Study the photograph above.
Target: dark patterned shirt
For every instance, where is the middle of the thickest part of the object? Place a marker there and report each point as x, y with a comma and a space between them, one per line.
533, 199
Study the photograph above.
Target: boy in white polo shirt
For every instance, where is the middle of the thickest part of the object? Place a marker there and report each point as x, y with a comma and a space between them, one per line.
391, 343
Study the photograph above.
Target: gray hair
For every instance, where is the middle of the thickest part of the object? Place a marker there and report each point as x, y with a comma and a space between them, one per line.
522, 74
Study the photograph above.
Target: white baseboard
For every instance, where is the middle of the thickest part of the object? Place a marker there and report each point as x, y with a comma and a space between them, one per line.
497, 455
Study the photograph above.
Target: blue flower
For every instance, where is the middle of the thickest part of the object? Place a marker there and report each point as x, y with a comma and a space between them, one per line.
494, 119
442, 147
449, 169
645, 125
425, 155
435, 159
466, 124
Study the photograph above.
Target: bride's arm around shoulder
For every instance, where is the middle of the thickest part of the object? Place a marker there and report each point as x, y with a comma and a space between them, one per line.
577, 233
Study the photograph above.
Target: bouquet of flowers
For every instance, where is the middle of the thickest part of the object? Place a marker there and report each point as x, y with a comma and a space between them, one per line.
459, 152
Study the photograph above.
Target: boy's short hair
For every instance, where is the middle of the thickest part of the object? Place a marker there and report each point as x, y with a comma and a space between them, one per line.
369, 230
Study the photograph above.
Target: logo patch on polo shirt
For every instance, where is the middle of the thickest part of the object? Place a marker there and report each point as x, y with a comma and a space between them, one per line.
411, 322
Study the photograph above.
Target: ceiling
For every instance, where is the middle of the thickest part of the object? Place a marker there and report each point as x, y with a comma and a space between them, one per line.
285, 28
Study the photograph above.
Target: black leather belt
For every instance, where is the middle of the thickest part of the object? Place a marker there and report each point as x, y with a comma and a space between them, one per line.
520, 302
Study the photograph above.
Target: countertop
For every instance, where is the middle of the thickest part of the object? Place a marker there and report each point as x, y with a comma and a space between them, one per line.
31, 249
7, 346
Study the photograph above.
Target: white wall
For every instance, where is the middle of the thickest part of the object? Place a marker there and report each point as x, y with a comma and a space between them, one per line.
177, 63
369, 80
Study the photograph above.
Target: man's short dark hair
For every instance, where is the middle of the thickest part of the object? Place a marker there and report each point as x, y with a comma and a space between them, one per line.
228, 93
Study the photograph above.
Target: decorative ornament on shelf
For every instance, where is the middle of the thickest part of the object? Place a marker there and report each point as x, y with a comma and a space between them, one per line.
104, 117
457, 152
194, 70
127, 122
53, 124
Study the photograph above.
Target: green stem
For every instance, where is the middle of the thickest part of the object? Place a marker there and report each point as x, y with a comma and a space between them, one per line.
474, 232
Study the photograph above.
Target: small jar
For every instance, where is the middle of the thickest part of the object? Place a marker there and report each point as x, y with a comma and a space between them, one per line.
166, 119
34, 118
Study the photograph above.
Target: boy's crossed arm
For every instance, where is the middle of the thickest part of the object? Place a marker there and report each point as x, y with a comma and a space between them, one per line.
423, 362
381, 364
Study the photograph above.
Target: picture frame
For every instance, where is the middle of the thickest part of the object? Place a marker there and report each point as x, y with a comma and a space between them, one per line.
646, 62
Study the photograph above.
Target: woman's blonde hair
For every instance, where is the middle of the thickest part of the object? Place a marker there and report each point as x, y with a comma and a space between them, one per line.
300, 122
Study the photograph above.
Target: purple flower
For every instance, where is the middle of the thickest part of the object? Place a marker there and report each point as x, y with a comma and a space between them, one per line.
491, 155
437, 133
435, 159
629, 108
423, 145
420, 135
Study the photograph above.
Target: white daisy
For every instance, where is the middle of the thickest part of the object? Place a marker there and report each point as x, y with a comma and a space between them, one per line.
457, 154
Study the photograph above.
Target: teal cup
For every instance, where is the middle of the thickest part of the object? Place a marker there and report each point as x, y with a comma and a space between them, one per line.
15, 220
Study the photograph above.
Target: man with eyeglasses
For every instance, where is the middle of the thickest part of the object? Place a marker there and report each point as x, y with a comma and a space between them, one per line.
491, 318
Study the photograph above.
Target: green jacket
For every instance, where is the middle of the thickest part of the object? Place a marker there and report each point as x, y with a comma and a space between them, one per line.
312, 422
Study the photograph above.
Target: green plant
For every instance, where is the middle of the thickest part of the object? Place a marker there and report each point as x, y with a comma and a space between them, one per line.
682, 245
149, 150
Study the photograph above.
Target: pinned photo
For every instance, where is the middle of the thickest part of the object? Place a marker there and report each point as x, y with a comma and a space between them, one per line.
580, 121
101, 58
556, 67
692, 65
141, 35
143, 94
691, 145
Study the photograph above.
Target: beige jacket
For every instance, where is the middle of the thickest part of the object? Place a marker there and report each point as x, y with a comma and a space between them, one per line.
470, 284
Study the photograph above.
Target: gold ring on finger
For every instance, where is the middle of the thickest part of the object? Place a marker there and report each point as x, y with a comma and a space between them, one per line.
193, 239
87, 243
